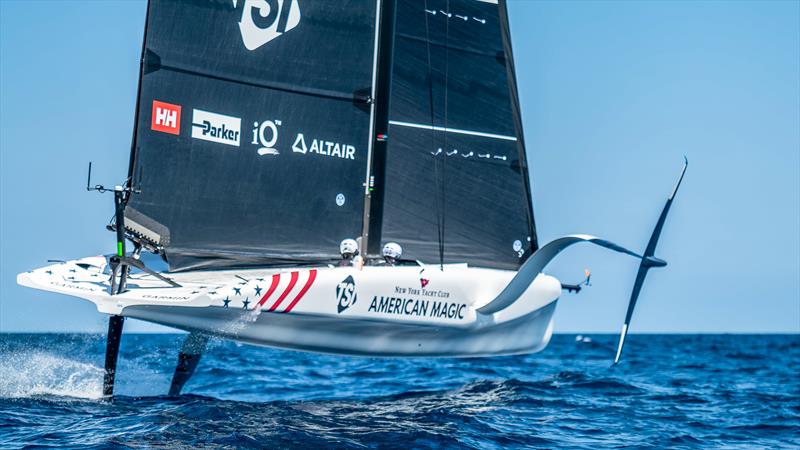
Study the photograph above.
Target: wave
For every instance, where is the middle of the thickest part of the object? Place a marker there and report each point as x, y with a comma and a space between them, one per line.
667, 394
34, 373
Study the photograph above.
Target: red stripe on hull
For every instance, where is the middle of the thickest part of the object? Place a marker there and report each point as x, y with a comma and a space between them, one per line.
292, 282
312, 275
275, 279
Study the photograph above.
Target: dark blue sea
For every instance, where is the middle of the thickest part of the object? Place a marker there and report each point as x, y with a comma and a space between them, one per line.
677, 391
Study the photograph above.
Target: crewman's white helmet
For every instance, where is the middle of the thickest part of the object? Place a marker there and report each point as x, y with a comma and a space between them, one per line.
348, 247
392, 250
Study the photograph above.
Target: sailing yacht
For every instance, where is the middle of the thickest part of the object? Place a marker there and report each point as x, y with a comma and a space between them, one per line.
346, 177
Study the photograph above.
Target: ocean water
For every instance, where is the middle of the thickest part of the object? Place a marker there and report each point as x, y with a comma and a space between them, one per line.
677, 391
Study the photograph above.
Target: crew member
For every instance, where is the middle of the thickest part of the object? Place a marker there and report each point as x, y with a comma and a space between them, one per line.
348, 249
391, 253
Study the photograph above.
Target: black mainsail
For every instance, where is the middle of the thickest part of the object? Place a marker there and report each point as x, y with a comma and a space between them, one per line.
253, 128
252, 134
257, 122
453, 177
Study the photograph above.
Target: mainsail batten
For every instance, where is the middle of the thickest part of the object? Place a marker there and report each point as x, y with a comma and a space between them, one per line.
452, 130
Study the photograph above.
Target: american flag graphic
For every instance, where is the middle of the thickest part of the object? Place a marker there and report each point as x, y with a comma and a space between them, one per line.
279, 293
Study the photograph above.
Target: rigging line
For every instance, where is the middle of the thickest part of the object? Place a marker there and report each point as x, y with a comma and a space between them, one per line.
444, 160
433, 136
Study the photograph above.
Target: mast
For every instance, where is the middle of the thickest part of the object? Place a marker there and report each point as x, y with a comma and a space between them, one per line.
374, 182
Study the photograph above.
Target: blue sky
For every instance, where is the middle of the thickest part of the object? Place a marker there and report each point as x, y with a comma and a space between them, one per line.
613, 95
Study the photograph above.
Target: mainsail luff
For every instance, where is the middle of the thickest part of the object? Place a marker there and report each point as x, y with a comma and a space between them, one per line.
132, 159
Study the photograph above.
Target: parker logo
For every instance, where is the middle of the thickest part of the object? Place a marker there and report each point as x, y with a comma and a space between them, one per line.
264, 20
166, 117
215, 127
346, 293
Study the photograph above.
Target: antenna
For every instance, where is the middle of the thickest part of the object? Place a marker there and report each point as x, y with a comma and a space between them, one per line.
120, 263
129, 186
98, 187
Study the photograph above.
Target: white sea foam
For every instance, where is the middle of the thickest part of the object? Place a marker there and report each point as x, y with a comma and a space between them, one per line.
237, 325
33, 373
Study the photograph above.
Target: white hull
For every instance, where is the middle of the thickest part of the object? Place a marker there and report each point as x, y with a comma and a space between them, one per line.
379, 311
527, 334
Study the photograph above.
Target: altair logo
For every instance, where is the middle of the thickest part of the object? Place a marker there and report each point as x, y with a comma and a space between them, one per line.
324, 148
264, 20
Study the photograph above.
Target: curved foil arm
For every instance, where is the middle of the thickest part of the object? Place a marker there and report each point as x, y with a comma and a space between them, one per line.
537, 262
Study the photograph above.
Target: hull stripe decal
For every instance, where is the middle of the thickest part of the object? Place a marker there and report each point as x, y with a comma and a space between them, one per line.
292, 282
275, 279
312, 275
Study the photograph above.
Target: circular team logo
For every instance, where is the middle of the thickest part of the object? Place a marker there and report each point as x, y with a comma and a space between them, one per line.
340, 199
346, 293
264, 20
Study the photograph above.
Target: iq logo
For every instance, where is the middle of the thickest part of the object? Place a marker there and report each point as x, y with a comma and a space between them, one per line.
264, 20
166, 117
265, 135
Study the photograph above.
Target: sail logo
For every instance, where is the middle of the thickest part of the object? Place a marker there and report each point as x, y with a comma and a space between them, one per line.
324, 148
264, 20
345, 293
265, 135
215, 127
166, 117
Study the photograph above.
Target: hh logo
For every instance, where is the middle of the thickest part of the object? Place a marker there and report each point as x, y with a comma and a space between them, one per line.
346, 293
264, 20
166, 117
